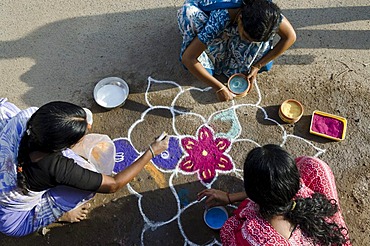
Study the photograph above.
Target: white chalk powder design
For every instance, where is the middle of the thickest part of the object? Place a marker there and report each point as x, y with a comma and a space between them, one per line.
225, 142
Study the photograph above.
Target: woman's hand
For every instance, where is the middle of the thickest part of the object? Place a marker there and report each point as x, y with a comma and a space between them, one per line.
224, 94
160, 146
287, 38
112, 184
190, 60
214, 197
252, 76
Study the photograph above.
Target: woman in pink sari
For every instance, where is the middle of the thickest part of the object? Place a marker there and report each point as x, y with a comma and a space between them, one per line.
286, 202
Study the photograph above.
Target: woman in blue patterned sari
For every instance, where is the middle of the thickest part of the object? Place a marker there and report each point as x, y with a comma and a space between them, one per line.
231, 36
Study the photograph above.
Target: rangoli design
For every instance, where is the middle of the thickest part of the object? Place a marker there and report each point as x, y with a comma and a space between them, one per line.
206, 154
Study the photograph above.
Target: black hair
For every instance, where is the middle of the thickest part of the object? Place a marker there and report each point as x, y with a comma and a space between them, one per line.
271, 179
54, 127
260, 18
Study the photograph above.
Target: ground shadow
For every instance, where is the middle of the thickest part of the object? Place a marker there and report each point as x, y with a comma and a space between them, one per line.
301, 128
71, 55
272, 113
120, 222
307, 38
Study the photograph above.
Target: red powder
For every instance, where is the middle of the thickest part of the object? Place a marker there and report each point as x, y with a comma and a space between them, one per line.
327, 125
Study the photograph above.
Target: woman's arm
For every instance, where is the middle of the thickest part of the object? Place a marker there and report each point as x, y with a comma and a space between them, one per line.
218, 197
190, 60
238, 197
287, 39
112, 184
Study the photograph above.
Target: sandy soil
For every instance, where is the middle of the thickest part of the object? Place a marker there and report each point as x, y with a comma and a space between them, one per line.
58, 51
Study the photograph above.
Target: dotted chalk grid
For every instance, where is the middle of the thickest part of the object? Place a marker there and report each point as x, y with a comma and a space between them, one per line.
205, 154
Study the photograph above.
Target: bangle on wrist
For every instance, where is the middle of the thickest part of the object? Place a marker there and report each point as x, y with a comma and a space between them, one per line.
258, 66
151, 151
228, 197
222, 88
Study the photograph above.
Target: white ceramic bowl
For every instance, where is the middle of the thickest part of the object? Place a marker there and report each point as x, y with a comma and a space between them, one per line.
111, 92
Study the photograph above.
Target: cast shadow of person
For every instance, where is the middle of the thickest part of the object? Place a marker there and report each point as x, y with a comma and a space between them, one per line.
316, 38
121, 221
71, 55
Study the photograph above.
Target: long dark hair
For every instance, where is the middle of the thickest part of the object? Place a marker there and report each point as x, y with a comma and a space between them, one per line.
260, 18
52, 128
271, 179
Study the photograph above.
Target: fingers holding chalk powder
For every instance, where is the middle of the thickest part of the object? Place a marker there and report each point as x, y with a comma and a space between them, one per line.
161, 137
159, 145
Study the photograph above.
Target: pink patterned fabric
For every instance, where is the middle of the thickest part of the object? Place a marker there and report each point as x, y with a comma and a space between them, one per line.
247, 227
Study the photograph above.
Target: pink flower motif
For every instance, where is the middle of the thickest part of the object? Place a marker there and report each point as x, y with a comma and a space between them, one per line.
205, 155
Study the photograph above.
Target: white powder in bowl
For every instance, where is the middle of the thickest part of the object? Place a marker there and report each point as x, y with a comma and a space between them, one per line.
110, 96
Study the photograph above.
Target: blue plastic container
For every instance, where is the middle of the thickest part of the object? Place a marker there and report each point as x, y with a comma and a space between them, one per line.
215, 217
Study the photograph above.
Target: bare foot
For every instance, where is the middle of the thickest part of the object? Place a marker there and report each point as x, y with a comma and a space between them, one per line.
76, 214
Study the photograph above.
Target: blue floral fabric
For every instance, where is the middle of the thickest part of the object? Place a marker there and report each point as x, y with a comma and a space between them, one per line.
209, 5
12, 126
23, 214
226, 52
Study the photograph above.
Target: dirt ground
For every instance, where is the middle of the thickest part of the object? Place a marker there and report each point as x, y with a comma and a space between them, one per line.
58, 51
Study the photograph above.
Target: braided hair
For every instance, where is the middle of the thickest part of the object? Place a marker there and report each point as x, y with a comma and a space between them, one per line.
271, 179
53, 127
260, 18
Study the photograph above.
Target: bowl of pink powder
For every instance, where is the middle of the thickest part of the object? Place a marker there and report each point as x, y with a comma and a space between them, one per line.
328, 125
